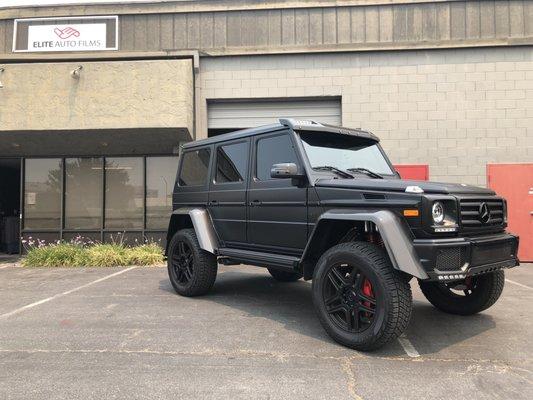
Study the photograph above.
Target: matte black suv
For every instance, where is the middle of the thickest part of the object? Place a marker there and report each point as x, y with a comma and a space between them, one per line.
310, 200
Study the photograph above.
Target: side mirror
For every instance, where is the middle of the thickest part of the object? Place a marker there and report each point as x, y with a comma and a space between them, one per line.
285, 171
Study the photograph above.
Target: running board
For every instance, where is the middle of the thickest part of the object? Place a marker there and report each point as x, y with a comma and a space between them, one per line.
260, 259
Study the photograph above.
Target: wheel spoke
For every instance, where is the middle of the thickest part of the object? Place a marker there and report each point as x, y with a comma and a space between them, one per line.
354, 318
355, 278
364, 308
336, 278
363, 297
335, 298
187, 273
181, 248
336, 309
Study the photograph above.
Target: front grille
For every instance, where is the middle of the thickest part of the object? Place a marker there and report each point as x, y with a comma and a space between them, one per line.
492, 253
470, 212
450, 259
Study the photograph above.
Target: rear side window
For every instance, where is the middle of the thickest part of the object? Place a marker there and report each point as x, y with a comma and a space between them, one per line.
232, 161
273, 150
194, 168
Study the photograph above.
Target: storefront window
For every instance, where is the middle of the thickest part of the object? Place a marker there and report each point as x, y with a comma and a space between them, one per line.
83, 193
124, 202
42, 197
160, 177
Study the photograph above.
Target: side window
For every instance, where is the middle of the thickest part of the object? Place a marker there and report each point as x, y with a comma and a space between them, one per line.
194, 168
273, 150
232, 161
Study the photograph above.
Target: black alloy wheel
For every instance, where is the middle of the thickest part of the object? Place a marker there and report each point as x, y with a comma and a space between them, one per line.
360, 299
182, 263
192, 270
349, 298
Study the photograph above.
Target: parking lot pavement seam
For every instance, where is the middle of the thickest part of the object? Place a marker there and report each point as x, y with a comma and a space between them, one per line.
59, 295
347, 368
251, 354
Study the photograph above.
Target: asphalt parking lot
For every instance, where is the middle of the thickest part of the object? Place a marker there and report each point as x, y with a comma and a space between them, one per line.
123, 333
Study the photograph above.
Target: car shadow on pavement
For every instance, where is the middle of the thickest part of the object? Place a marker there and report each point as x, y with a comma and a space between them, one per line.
290, 304
432, 331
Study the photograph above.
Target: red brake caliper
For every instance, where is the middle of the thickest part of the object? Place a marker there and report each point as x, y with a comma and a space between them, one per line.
367, 291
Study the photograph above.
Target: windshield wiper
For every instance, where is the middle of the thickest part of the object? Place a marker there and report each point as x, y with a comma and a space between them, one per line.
333, 169
367, 172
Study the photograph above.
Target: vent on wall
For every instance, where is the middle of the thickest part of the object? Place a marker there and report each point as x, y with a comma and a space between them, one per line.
373, 196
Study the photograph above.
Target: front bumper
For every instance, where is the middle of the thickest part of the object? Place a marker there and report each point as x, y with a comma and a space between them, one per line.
458, 258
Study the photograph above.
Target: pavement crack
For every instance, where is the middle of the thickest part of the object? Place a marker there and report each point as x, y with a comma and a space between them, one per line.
347, 368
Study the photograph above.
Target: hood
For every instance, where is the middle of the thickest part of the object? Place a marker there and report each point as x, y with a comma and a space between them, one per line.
399, 185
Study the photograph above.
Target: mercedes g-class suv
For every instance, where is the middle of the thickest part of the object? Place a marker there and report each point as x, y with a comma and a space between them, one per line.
315, 201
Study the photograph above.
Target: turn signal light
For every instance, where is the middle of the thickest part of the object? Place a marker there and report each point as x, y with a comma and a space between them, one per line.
410, 213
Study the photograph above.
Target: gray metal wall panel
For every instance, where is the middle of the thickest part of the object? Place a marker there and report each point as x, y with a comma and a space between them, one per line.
246, 114
327, 28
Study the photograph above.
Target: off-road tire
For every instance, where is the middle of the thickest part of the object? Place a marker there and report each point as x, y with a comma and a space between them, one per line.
393, 295
488, 288
204, 265
284, 276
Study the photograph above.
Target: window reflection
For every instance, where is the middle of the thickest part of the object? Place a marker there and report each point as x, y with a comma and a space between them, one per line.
42, 198
83, 193
231, 162
124, 201
160, 177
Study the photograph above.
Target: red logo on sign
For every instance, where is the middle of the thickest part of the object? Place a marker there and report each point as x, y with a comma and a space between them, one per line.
66, 33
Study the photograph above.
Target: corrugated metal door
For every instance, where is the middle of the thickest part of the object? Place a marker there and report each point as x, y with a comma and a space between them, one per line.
419, 172
250, 113
515, 183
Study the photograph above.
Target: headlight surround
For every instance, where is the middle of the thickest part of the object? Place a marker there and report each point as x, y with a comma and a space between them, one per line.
441, 214
437, 212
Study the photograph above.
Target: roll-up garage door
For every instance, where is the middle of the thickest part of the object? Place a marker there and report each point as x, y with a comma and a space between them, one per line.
250, 113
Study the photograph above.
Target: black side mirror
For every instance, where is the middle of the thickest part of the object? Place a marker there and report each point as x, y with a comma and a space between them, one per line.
285, 171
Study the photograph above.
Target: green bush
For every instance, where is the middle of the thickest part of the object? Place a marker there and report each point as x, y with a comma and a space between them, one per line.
95, 255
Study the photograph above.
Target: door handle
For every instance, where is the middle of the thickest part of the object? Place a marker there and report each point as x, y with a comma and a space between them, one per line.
255, 203
213, 203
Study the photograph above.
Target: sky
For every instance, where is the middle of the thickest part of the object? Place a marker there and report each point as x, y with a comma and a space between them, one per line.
13, 3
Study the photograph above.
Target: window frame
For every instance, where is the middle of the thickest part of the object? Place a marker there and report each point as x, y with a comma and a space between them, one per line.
238, 184
256, 182
194, 188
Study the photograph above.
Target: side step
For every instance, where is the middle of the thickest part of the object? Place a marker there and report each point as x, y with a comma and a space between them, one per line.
260, 259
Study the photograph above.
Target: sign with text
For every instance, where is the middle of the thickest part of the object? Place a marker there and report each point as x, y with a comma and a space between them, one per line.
58, 34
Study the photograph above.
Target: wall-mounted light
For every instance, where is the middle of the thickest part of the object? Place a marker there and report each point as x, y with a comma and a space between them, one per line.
1, 71
76, 72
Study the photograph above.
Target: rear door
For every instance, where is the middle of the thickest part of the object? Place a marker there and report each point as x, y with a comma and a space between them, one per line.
227, 196
277, 210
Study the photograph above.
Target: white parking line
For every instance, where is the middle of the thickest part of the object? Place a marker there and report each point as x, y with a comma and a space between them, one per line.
408, 347
57, 296
519, 284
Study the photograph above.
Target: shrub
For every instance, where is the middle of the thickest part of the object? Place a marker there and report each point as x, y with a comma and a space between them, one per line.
78, 254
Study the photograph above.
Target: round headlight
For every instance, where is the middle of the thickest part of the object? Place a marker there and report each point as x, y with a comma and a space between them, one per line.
437, 211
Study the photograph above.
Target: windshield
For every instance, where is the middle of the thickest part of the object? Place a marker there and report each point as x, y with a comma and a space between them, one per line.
347, 153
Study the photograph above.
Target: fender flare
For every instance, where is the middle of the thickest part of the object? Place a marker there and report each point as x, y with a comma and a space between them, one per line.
394, 232
202, 225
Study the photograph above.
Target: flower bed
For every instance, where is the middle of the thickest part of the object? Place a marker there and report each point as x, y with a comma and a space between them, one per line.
86, 253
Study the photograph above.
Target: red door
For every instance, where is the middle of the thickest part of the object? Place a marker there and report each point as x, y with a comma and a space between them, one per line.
515, 183
419, 172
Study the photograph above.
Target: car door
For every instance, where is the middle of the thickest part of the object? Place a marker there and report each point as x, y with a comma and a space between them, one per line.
227, 196
277, 209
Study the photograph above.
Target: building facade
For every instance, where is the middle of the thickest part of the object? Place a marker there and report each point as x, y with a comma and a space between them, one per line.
95, 99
